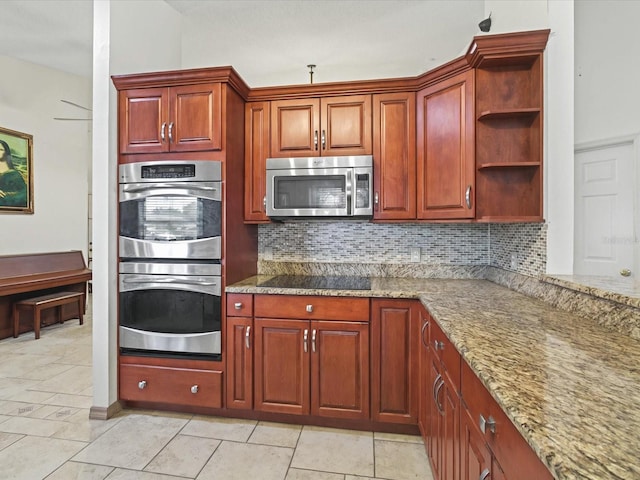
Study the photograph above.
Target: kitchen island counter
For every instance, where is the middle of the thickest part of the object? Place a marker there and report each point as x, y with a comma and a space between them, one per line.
570, 385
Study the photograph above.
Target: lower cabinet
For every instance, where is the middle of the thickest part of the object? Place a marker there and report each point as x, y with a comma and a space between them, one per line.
395, 327
167, 381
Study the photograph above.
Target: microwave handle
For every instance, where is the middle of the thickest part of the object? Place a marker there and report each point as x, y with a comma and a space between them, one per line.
349, 192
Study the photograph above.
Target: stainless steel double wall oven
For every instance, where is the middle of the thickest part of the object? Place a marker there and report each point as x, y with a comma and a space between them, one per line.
170, 225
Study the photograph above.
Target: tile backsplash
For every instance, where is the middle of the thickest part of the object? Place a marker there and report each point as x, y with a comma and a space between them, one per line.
357, 242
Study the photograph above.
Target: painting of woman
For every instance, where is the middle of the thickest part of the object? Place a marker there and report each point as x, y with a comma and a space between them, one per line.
16, 175
13, 188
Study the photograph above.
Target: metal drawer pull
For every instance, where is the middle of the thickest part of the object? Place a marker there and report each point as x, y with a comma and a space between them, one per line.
426, 323
237, 305
305, 338
310, 308
142, 384
438, 345
313, 340
247, 340
194, 389
487, 424
484, 474
438, 406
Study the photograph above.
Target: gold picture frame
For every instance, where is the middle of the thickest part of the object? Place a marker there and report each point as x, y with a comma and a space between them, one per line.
16, 172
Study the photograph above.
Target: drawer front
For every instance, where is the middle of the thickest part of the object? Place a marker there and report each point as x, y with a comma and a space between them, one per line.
239, 304
171, 385
445, 351
475, 396
310, 307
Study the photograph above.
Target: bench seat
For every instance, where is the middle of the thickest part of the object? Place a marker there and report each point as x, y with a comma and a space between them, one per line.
51, 300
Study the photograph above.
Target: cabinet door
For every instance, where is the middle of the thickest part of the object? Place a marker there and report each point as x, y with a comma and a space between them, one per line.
345, 125
394, 364
239, 351
424, 402
434, 447
340, 369
449, 404
446, 145
196, 118
394, 156
295, 128
475, 458
142, 114
256, 151
281, 373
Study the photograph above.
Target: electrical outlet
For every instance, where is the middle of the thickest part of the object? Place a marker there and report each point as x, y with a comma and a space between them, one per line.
268, 253
415, 254
514, 261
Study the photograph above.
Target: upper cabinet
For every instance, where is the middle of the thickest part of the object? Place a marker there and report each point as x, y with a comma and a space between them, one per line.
321, 126
394, 156
256, 151
446, 166
184, 118
509, 106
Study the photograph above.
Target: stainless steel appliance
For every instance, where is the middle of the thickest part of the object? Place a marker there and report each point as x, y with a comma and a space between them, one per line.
171, 210
170, 307
320, 187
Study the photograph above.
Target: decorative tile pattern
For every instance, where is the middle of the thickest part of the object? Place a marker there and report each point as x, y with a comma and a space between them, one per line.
525, 243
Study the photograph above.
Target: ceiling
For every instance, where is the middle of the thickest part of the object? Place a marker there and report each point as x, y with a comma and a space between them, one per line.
388, 38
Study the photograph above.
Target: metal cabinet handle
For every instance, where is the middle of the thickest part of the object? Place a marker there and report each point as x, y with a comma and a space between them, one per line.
194, 389
484, 474
315, 140
162, 129
324, 140
142, 384
313, 340
376, 199
467, 196
435, 382
487, 424
237, 305
305, 338
264, 202
247, 337
309, 308
170, 132
438, 405
438, 345
424, 327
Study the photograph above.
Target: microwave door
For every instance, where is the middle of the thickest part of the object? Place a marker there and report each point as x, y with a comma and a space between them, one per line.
309, 192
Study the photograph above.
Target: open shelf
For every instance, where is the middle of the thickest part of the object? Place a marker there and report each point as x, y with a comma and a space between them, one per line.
508, 113
508, 165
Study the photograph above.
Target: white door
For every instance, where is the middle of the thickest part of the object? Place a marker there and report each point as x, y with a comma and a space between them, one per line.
604, 209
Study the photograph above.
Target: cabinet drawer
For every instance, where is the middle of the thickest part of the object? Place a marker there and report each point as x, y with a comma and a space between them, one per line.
171, 385
309, 307
445, 351
476, 397
239, 304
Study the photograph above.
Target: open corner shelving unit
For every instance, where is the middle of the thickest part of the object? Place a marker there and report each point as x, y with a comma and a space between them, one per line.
509, 118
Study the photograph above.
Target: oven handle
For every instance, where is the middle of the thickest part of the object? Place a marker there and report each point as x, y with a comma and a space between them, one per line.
150, 186
167, 280
136, 191
129, 284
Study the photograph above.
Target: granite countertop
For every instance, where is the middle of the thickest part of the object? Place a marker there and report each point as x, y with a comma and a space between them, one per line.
569, 385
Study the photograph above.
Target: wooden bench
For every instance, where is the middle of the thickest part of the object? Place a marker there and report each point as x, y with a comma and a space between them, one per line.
37, 304
25, 276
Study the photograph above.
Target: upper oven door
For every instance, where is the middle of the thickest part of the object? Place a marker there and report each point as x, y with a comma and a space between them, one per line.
173, 220
317, 192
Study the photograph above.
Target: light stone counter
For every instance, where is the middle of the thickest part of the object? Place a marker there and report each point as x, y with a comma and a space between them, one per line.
570, 385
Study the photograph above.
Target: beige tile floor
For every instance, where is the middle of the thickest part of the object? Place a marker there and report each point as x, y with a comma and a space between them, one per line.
45, 431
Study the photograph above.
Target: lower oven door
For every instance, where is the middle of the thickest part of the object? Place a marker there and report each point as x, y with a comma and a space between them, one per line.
173, 313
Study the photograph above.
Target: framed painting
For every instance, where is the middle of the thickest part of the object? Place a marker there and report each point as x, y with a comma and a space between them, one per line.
16, 172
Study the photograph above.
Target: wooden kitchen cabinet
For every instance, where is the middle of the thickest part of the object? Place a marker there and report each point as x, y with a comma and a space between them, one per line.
321, 126
424, 400
256, 151
509, 125
307, 366
445, 163
485, 423
183, 118
395, 327
444, 442
394, 156
239, 351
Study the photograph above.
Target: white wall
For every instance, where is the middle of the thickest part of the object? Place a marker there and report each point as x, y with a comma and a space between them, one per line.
607, 71
129, 37
29, 99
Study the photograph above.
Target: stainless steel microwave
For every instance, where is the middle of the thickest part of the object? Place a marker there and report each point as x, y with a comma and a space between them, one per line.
320, 187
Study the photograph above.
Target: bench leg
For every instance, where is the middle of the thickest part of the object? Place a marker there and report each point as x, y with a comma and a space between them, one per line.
16, 321
59, 311
80, 309
36, 322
